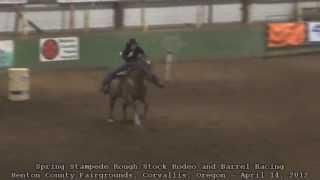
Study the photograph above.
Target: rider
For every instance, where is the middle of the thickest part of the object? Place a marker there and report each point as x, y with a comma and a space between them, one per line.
131, 54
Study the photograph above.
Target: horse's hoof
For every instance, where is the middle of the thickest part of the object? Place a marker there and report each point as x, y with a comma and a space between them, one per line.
110, 120
137, 120
140, 126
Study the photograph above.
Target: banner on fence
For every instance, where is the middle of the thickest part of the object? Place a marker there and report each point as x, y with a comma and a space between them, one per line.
6, 53
59, 49
314, 31
286, 34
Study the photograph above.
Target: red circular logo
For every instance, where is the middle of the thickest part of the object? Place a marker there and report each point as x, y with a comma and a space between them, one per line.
50, 49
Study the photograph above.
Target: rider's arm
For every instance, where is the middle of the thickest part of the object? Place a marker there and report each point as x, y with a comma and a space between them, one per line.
141, 52
125, 54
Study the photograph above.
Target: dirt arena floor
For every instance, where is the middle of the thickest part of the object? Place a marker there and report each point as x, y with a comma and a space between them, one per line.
231, 111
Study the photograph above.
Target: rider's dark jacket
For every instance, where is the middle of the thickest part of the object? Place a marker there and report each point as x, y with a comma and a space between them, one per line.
130, 55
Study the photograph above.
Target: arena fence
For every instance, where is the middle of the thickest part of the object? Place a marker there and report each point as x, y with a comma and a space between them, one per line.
52, 16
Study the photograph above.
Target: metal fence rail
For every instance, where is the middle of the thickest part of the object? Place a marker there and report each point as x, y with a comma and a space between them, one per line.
48, 15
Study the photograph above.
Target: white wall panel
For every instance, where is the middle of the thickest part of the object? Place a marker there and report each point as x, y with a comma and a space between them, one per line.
132, 17
171, 15
101, 18
65, 20
79, 19
309, 4
7, 21
275, 11
59, 20
222, 13
46, 20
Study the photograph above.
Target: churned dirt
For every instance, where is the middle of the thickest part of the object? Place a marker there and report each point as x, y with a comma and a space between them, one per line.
226, 111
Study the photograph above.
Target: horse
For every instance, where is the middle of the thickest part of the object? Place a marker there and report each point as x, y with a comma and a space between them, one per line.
130, 87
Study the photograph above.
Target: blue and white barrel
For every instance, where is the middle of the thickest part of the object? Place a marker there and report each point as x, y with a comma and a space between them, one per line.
19, 84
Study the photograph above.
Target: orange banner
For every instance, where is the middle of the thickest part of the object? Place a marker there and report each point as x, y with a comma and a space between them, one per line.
286, 34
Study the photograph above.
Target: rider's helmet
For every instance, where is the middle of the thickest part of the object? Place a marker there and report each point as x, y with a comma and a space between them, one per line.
132, 41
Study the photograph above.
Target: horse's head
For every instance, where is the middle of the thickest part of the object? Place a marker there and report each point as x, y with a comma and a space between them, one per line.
140, 68
137, 72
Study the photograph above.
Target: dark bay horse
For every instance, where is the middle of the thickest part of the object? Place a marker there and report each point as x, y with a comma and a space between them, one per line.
131, 89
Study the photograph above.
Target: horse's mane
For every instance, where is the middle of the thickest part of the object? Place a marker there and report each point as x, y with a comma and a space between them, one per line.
137, 70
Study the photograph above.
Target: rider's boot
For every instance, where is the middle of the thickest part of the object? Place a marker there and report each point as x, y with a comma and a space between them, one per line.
156, 81
105, 88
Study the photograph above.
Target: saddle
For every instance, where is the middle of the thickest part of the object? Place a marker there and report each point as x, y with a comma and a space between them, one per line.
126, 72
122, 73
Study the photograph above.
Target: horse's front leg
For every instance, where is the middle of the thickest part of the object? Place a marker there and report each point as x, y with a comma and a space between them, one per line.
139, 116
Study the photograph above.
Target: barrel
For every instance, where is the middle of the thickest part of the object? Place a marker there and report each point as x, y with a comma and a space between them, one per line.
19, 84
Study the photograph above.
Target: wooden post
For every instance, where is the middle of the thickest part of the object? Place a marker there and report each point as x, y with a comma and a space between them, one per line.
17, 18
118, 15
168, 66
200, 16
24, 26
86, 20
210, 13
72, 18
23, 23
143, 18
299, 12
245, 11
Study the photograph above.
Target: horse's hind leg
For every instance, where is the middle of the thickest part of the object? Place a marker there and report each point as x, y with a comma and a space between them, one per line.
146, 108
137, 117
124, 111
112, 104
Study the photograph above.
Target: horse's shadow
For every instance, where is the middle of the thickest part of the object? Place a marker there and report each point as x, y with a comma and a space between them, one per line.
129, 123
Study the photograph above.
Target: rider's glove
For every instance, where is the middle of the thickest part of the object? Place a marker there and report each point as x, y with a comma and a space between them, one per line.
130, 54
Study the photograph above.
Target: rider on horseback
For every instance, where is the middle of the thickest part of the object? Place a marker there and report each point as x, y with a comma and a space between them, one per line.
132, 54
